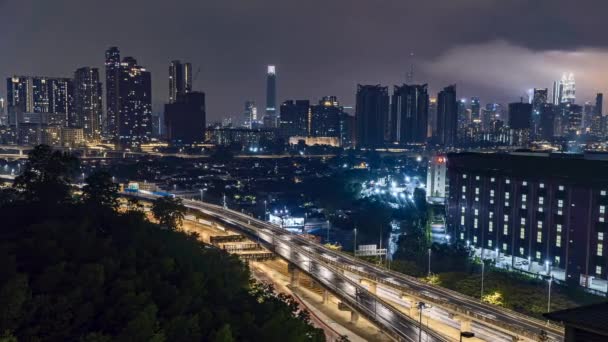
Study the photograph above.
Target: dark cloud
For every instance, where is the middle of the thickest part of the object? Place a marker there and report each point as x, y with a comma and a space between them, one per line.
320, 46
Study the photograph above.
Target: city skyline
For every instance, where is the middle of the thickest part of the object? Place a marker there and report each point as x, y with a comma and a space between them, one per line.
496, 66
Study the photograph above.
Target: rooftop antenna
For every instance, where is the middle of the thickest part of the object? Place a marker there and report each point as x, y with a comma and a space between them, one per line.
409, 77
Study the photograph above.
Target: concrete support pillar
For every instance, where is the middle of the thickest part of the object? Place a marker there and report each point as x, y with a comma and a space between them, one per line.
372, 287
465, 324
294, 275
354, 316
325, 296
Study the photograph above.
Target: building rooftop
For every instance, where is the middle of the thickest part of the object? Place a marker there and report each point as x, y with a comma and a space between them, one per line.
592, 318
572, 168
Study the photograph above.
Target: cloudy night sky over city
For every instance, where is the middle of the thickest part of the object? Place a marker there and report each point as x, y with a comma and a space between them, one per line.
493, 49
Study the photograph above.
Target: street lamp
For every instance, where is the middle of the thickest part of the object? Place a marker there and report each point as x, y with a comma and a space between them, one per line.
421, 307
466, 334
429, 262
482, 275
549, 295
355, 242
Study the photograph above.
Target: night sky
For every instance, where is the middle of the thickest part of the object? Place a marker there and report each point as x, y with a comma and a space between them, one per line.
496, 49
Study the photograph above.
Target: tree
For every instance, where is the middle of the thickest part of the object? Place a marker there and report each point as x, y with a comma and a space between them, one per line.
101, 190
47, 175
542, 336
169, 211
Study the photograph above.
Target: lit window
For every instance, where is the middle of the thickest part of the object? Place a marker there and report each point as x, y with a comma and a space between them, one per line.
464, 176
523, 206
476, 199
461, 236
602, 219
541, 200
557, 260
463, 210
558, 228
489, 243
603, 192
505, 230
491, 193
476, 191
539, 236
492, 179
475, 223
602, 209
464, 188
539, 224
491, 201
476, 177
507, 195
540, 209
476, 212
561, 188
524, 183
541, 185
600, 236
598, 270
507, 181
558, 241
504, 246
560, 203
521, 250
538, 255
524, 197
474, 239
462, 220
490, 226
506, 203
600, 249
506, 218
559, 212
464, 197
522, 233
522, 221
491, 214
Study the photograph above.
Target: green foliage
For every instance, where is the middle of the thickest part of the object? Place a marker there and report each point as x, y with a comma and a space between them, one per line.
101, 190
69, 274
47, 175
169, 211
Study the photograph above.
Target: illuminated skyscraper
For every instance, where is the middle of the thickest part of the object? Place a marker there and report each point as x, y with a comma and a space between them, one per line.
325, 118
180, 79
112, 101
135, 103
568, 88
294, 118
475, 109
270, 119
87, 102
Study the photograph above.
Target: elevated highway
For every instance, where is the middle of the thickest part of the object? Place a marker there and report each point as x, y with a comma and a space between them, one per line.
383, 296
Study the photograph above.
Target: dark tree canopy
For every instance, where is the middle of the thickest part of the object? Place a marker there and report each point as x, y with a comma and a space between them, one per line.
169, 211
101, 190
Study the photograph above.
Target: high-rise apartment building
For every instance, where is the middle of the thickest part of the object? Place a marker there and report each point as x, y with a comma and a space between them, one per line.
134, 103
185, 118
112, 66
88, 108
325, 118
294, 120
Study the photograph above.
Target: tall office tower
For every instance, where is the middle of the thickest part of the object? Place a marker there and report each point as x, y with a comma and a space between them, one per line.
371, 115
573, 116
410, 112
185, 118
270, 119
180, 79
546, 129
432, 122
539, 98
596, 121
557, 92
568, 88
464, 118
36, 94
475, 109
588, 113
326, 117
3, 116
447, 116
112, 97
135, 103
87, 102
520, 117
294, 118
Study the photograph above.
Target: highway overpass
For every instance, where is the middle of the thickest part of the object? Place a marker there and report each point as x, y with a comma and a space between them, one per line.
380, 294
